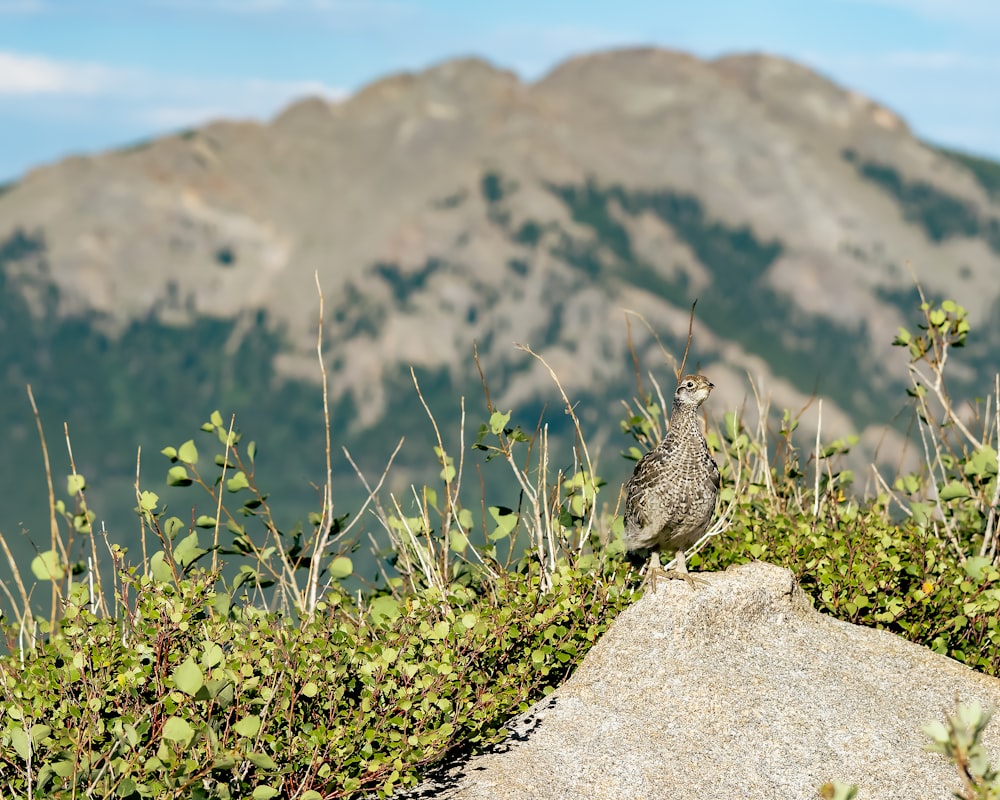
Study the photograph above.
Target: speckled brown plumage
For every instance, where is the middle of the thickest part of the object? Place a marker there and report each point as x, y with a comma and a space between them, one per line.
670, 498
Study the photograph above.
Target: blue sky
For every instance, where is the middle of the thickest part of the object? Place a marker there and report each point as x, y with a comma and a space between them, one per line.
86, 75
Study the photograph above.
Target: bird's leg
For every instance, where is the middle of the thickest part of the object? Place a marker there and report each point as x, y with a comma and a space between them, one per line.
679, 572
653, 569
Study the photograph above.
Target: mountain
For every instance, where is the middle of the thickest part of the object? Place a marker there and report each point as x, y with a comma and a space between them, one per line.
146, 286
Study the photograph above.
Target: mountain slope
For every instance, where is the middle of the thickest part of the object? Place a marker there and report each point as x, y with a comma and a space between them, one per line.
461, 205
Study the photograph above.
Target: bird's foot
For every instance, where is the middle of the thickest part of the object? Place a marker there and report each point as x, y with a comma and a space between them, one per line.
655, 573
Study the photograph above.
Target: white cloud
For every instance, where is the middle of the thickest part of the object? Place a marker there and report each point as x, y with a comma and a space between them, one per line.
27, 75
153, 98
182, 103
974, 12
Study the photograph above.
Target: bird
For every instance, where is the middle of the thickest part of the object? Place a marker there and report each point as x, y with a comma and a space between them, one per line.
670, 497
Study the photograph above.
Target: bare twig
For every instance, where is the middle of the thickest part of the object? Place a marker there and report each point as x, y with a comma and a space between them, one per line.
142, 517
818, 457
93, 568
25, 610
990, 535
53, 525
687, 345
667, 355
765, 461
632, 353
889, 492
581, 440
222, 483
326, 521
372, 492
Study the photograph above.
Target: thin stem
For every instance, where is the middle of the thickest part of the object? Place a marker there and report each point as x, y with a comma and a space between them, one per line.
326, 520
992, 534
53, 525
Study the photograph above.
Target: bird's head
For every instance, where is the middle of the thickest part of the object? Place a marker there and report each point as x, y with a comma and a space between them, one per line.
693, 390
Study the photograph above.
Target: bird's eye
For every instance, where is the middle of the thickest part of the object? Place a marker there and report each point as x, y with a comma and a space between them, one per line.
688, 384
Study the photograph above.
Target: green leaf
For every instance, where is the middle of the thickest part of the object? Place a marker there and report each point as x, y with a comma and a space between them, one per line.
498, 422
176, 729
178, 476
975, 565
504, 517
465, 518
75, 484
188, 453
237, 482
249, 726
983, 462
172, 526
170, 452
383, 607
63, 767
458, 541
159, 568
936, 731
39, 732
261, 760
252, 451
222, 691
310, 689
221, 604
205, 521
148, 501
245, 575
215, 419
953, 490
212, 656
264, 793
46, 566
506, 520
341, 567
19, 741
187, 551
188, 677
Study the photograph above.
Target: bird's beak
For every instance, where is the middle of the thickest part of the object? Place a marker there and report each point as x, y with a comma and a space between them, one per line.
711, 385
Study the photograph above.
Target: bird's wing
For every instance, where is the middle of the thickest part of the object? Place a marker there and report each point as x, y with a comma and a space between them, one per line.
635, 508
713, 471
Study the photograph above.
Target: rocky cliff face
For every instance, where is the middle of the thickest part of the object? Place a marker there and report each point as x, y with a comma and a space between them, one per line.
461, 204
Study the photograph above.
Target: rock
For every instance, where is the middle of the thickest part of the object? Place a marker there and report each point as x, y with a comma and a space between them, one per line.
737, 690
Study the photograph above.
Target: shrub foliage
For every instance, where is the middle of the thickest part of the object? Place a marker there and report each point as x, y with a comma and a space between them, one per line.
236, 659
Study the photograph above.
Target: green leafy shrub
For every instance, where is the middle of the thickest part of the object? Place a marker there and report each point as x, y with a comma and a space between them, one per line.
189, 695
240, 659
959, 739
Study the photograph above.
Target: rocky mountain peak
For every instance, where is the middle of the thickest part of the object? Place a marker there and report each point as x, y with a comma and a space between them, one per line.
458, 204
